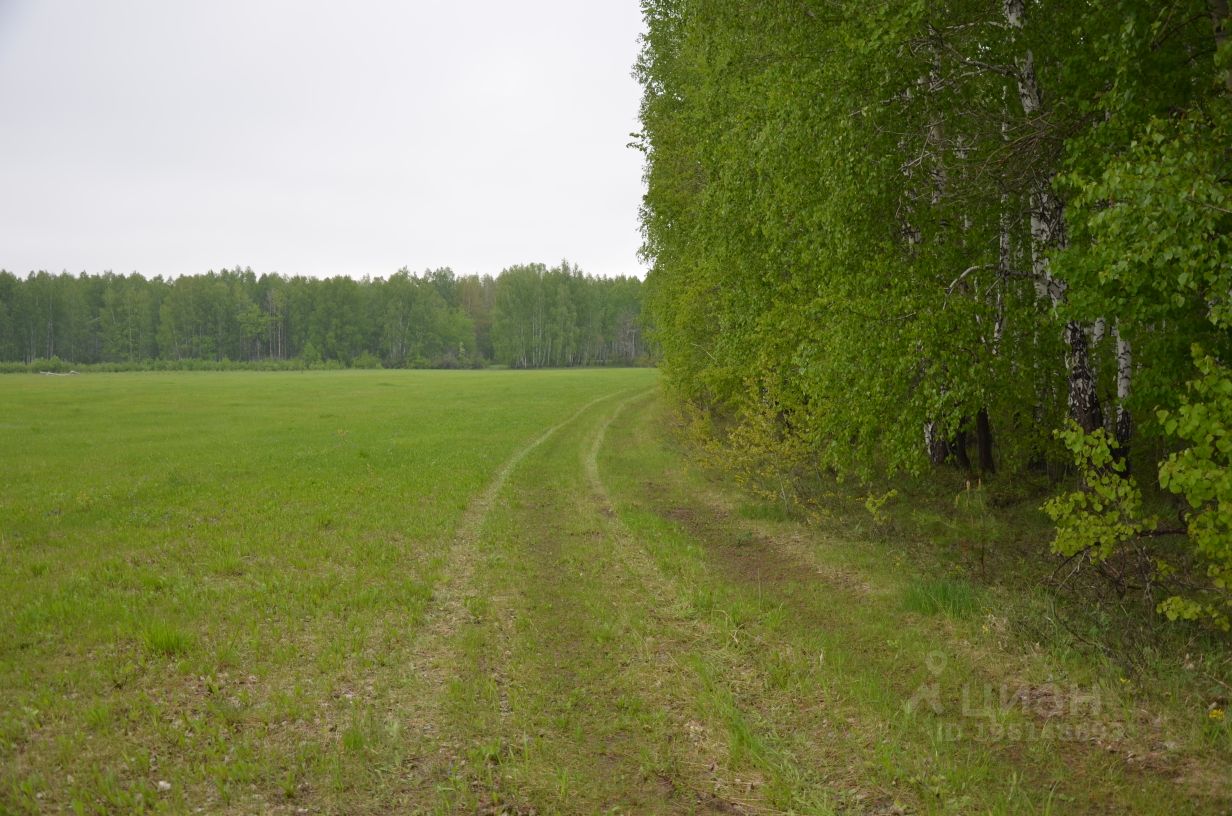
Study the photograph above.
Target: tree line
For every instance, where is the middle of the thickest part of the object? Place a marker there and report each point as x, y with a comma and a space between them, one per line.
885, 237
527, 316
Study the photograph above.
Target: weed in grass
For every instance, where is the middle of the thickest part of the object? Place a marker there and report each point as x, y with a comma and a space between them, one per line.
563, 783
226, 655
289, 784
25, 794
105, 792
228, 712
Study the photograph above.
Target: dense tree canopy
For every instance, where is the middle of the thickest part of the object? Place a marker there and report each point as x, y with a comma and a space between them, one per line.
880, 230
526, 316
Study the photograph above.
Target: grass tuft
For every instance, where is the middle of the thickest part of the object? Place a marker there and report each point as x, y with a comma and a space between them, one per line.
164, 639
354, 740
947, 596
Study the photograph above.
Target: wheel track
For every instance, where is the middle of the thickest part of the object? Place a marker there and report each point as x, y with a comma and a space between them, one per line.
707, 785
724, 793
434, 656
701, 784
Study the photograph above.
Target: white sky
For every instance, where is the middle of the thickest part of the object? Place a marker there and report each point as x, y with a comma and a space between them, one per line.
319, 138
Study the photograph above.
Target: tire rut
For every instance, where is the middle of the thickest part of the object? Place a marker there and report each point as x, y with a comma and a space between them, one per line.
715, 789
435, 656
544, 676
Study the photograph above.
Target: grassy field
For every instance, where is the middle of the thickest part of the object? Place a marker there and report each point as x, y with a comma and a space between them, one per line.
500, 592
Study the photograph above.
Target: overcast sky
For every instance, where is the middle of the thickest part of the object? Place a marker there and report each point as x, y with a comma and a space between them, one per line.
319, 138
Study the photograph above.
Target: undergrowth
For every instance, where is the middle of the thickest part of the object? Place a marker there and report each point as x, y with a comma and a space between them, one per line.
980, 547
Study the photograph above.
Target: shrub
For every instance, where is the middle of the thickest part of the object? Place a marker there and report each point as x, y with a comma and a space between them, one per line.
1106, 510
1202, 474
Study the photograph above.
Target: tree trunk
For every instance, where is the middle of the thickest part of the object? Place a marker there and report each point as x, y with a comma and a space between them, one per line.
1124, 421
934, 143
938, 450
1048, 231
983, 440
1084, 405
959, 448
1004, 250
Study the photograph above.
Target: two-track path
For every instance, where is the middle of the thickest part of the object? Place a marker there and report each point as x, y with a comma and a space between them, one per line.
611, 637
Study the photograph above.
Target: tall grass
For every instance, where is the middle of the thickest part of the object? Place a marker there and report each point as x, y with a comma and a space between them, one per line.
945, 596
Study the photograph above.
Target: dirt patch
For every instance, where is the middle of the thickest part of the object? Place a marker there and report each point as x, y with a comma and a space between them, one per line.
710, 803
745, 556
487, 807
681, 514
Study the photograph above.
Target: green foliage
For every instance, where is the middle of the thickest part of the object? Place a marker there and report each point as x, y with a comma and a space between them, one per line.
1155, 248
791, 242
310, 354
1152, 216
763, 453
1202, 474
879, 236
52, 364
1106, 510
875, 505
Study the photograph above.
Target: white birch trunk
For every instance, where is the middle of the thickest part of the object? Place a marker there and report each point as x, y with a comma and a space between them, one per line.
1125, 363
1003, 270
934, 444
1047, 231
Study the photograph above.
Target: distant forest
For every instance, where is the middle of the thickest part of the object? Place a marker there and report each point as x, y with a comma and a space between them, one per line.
529, 316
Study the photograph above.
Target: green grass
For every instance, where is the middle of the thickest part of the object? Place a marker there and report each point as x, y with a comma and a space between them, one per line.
166, 640
228, 570
821, 637
942, 596
276, 592
763, 511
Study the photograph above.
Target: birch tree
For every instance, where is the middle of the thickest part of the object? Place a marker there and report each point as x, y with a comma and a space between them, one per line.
976, 219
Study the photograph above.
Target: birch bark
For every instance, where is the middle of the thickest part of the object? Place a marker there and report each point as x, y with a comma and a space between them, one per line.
1048, 232
1124, 421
